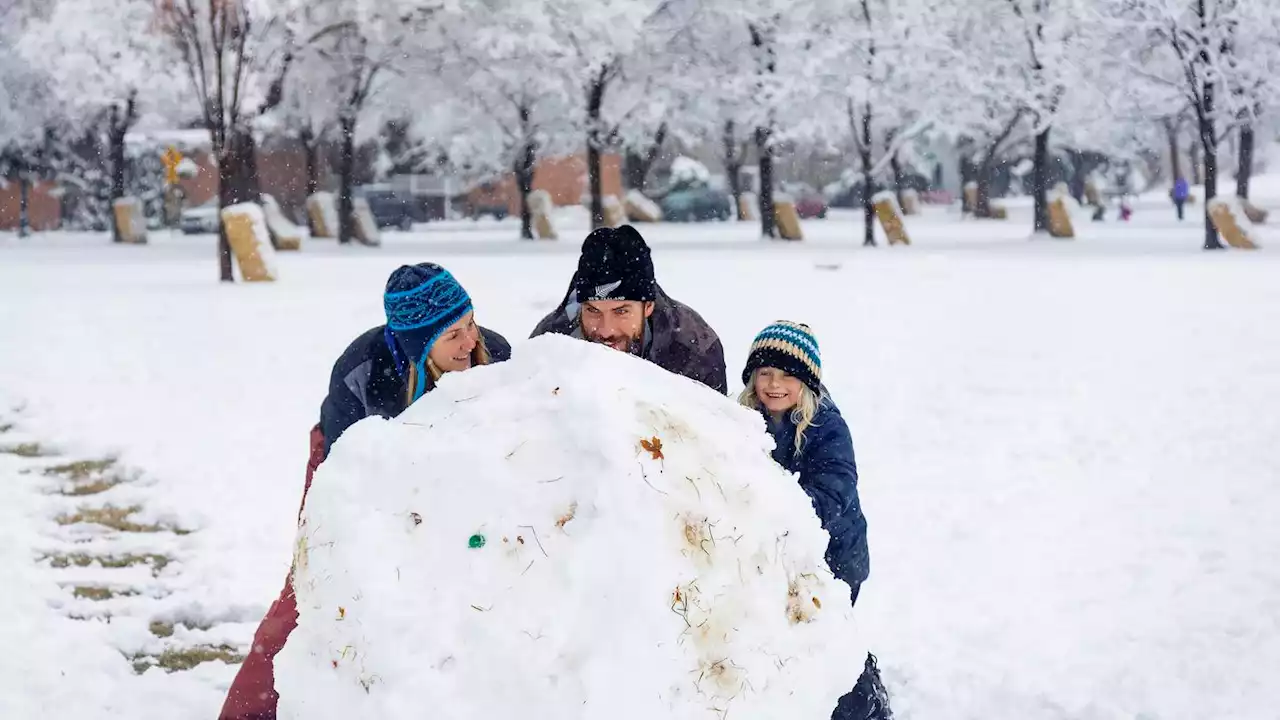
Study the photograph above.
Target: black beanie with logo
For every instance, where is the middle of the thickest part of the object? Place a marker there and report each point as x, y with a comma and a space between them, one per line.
615, 265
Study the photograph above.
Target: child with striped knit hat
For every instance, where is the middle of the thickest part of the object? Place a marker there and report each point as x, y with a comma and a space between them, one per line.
783, 378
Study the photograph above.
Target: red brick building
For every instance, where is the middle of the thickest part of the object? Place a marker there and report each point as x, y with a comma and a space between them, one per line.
44, 210
282, 174
565, 178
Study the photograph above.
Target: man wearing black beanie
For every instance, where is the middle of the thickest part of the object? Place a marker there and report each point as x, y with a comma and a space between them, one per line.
613, 299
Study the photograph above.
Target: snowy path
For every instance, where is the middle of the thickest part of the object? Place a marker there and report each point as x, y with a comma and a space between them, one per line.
1068, 449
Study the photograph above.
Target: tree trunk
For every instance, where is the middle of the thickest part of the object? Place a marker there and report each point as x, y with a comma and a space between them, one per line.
1175, 153
896, 166
346, 178
868, 189
766, 64
597, 186
595, 104
765, 150
118, 125
733, 166
1040, 181
115, 153
1208, 139
1197, 177
1245, 172
983, 207
636, 165
237, 183
868, 205
24, 199
967, 175
311, 149
524, 181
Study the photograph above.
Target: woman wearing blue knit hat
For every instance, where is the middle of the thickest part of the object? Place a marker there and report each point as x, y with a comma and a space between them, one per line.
430, 331
783, 378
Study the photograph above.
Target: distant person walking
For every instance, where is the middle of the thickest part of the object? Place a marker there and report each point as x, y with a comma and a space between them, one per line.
1181, 191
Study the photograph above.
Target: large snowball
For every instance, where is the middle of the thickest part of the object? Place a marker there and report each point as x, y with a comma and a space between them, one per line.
642, 557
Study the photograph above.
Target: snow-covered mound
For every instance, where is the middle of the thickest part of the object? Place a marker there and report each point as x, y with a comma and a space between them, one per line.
574, 533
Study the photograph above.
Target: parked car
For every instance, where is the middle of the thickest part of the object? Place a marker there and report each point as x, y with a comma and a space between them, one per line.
200, 219
389, 208
476, 209
696, 204
809, 202
849, 195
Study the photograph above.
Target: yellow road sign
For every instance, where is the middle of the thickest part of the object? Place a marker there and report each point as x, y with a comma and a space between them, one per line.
171, 158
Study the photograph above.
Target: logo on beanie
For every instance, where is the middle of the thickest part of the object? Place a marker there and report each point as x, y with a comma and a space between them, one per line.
603, 292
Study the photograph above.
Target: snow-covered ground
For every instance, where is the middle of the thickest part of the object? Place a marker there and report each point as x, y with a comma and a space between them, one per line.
1067, 448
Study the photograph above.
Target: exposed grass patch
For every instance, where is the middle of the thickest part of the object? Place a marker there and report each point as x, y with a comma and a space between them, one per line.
94, 592
163, 629
174, 660
93, 487
157, 561
116, 518
25, 450
81, 469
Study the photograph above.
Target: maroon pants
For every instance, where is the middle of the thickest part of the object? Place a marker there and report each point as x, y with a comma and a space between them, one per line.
253, 694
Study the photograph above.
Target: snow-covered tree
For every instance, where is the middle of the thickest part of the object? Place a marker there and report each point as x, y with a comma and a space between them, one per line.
875, 61
600, 36
1215, 53
1253, 80
749, 81
707, 70
107, 69
28, 109
236, 56
1045, 41
349, 49
512, 98
976, 86
308, 112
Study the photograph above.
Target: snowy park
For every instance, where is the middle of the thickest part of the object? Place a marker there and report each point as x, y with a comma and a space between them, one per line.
687, 359
1066, 452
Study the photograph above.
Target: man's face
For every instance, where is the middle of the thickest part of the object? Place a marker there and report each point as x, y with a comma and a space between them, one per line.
616, 323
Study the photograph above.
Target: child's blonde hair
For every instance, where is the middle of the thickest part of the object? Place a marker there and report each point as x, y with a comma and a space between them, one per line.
802, 414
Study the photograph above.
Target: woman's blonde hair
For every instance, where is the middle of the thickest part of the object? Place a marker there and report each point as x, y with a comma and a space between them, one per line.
479, 356
802, 414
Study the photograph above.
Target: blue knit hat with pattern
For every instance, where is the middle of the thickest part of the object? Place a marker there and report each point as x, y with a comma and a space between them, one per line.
790, 347
422, 301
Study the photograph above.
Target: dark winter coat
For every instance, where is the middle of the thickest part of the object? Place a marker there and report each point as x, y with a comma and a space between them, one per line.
677, 339
829, 474
370, 378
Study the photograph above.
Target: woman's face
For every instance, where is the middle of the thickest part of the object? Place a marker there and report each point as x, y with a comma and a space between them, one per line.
452, 351
777, 391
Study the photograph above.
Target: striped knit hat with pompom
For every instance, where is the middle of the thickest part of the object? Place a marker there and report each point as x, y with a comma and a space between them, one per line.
790, 347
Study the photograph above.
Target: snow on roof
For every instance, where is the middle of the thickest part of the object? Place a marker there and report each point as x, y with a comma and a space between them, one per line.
194, 139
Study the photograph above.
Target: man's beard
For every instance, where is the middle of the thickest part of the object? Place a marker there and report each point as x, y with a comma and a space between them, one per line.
634, 345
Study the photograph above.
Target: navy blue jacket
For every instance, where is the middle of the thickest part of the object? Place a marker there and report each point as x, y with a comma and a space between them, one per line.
829, 474
370, 378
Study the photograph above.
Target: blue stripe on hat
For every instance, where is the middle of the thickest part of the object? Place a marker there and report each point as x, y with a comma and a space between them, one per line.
806, 341
429, 303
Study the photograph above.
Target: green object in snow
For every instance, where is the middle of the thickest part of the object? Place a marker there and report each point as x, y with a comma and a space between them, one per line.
476, 541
